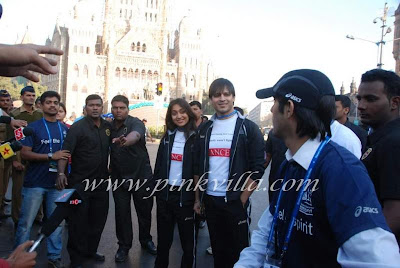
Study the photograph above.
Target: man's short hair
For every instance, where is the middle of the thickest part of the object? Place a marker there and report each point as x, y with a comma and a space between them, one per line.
344, 100
390, 79
121, 98
4, 93
37, 100
92, 97
144, 120
49, 94
219, 85
193, 103
27, 89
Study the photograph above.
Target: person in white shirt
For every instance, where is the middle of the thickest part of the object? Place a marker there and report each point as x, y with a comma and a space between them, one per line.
174, 171
230, 158
325, 212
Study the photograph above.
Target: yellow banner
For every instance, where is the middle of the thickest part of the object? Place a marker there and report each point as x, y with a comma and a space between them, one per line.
6, 151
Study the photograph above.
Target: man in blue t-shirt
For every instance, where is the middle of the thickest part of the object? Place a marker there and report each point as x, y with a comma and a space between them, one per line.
325, 212
42, 150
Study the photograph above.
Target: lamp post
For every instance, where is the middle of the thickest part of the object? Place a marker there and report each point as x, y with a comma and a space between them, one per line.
384, 32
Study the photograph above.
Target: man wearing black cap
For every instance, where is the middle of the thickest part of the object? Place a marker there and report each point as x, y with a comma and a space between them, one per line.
29, 113
379, 104
230, 151
325, 212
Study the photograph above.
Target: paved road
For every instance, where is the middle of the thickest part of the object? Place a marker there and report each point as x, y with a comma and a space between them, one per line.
137, 257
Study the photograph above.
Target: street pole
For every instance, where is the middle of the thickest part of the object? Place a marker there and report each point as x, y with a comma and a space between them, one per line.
381, 43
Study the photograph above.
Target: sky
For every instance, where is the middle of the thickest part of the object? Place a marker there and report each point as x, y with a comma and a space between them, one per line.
254, 42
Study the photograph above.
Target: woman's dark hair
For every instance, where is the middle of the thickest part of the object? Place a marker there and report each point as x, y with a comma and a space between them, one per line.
313, 122
219, 85
190, 126
62, 105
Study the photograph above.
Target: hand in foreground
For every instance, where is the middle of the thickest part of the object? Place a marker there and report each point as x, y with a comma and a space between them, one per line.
15, 123
18, 166
120, 140
19, 258
22, 60
197, 207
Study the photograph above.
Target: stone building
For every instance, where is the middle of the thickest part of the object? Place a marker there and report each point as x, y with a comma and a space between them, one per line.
137, 48
396, 42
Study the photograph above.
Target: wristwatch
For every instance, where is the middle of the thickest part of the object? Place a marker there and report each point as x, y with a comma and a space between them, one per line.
50, 156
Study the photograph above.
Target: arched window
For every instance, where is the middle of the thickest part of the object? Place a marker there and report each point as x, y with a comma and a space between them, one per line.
137, 74
84, 89
98, 71
144, 48
75, 87
130, 74
75, 49
124, 73
138, 47
155, 17
149, 75
85, 72
151, 3
186, 80
104, 71
173, 79
133, 46
120, 13
76, 70
155, 76
146, 16
151, 17
143, 74
87, 50
117, 72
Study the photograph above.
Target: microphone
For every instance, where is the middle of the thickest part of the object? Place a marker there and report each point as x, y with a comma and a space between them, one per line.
10, 146
68, 199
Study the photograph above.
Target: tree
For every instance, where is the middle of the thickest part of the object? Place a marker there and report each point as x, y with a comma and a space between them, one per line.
14, 86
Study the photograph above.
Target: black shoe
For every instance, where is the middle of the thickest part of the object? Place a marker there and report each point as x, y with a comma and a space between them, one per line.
6, 200
99, 257
54, 263
150, 247
121, 255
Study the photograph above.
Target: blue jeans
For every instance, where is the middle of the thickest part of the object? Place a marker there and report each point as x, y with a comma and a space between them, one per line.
31, 200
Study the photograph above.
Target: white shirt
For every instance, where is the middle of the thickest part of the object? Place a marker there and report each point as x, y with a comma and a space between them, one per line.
346, 138
175, 171
219, 152
373, 248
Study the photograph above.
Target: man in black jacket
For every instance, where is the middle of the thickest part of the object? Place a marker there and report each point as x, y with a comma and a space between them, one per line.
130, 161
230, 151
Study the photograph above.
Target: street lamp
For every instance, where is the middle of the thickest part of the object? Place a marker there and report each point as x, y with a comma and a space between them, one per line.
385, 30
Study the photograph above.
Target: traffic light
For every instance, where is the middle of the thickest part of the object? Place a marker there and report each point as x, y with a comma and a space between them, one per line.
159, 89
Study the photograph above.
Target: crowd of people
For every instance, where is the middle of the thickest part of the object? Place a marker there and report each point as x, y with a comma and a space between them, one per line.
333, 186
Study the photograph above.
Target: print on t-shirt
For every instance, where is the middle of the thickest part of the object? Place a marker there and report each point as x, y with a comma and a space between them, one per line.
219, 153
175, 172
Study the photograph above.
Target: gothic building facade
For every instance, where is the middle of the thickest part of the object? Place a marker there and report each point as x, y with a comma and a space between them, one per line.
136, 48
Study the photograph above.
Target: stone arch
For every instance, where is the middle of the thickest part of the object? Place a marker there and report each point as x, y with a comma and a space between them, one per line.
76, 70
118, 72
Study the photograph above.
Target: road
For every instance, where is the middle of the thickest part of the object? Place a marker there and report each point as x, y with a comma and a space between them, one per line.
137, 257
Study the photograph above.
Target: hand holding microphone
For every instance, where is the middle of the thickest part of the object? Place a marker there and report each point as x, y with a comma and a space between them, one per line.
20, 258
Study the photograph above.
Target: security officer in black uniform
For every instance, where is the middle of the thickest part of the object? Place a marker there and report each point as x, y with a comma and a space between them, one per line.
130, 161
88, 140
379, 105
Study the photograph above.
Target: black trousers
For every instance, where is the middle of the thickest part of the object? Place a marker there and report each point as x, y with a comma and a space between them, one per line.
86, 224
168, 213
228, 226
123, 218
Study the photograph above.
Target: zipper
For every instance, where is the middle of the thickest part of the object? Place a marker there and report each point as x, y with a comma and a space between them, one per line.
183, 161
233, 155
205, 160
169, 155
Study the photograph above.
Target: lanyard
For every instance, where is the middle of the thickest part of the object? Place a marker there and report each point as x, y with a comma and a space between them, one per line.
225, 116
50, 139
298, 201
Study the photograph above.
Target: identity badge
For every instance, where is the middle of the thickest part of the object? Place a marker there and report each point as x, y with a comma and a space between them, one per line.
53, 166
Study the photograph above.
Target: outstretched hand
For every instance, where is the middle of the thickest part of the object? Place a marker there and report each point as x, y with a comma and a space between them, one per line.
19, 258
23, 59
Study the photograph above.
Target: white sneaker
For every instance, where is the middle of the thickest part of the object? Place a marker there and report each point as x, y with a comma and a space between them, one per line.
209, 250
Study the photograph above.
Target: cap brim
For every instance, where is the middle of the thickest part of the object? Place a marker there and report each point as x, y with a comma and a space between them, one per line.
265, 93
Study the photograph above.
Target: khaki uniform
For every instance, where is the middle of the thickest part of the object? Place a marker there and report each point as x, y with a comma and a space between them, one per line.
18, 176
4, 170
